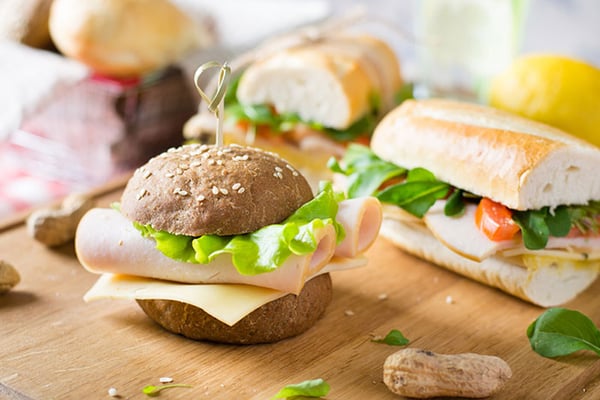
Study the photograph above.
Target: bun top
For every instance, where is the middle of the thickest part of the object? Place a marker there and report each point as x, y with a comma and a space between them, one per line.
197, 190
512, 160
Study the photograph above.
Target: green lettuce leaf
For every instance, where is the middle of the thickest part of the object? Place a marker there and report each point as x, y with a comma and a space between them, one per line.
263, 250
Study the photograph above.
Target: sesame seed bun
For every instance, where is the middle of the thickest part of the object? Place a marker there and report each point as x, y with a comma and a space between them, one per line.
285, 317
197, 190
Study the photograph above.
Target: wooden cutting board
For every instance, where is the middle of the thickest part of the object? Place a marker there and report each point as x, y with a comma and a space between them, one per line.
55, 346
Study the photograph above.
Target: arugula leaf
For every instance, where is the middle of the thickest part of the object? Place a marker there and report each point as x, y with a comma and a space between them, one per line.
417, 194
263, 250
455, 205
538, 225
559, 331
393, 338
366, 172
154, 391
311, 388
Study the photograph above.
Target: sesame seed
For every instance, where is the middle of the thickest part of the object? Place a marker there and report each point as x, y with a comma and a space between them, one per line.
241, 158
180, 192
278, 169
112, 392
147, 174
179, 171
236, 186
211, 162
166, 379
349, 313
183, 166
224, 191
169, 175
219, 162
215, 190
382, 296
200, 197
241, 190
195, 164
141, 194
288, 166
219, 153
295, 173
449, 300
278, 175
185, 156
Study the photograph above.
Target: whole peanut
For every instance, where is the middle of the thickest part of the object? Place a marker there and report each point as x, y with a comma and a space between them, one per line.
423, 374
57, 226
9, 277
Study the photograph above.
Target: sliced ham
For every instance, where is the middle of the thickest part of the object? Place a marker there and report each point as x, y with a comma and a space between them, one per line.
107, 242
361, 219
461, 235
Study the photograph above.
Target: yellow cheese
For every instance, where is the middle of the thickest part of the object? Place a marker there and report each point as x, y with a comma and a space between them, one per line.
226, 302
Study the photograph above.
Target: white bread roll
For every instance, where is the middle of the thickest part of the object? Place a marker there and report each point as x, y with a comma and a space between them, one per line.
124, 37
548, 285
517, 162
329, 80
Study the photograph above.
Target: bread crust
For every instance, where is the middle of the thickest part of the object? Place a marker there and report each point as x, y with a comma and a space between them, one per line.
285, 317
196, 190
547, 285
330, 80
512, 160
124, 37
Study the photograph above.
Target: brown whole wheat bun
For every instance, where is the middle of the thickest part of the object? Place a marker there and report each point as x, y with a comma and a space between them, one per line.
285, 317
196, 190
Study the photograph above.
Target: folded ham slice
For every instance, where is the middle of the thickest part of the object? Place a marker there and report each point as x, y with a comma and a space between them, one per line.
107, 242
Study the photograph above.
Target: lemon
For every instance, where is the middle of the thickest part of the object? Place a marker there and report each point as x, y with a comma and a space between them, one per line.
557, 90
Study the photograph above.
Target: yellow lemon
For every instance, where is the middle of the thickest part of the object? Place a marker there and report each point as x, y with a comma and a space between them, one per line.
559, 91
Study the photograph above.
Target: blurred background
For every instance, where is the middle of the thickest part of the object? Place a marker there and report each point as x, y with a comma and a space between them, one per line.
65, 127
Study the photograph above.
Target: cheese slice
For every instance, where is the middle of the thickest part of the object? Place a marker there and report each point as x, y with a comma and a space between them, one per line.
228, 303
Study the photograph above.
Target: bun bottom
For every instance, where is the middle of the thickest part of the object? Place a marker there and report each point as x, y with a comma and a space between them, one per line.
552, 283
285, 317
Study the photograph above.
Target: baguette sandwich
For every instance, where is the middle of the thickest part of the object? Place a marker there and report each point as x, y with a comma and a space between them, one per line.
225, 244
307, 98
503, 200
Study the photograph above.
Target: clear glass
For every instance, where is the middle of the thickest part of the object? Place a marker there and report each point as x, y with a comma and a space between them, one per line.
463, 43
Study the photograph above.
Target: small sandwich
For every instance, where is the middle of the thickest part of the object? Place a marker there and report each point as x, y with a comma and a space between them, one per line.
498, 198
306, 98
225, 244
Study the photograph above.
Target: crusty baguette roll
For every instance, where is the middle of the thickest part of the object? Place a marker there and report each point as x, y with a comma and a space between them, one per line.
323, 87
329, 81
512, 160
124, 37
521, 165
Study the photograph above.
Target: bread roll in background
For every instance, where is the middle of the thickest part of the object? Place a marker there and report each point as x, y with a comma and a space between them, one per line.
123, 38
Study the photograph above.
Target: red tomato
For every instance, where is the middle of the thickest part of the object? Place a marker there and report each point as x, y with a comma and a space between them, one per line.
495, 220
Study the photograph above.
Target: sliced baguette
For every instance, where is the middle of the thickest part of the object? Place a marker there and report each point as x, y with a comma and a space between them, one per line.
329, 81
517, 162
547, 285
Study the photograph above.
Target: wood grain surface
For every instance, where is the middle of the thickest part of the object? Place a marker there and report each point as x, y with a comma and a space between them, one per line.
55, 346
